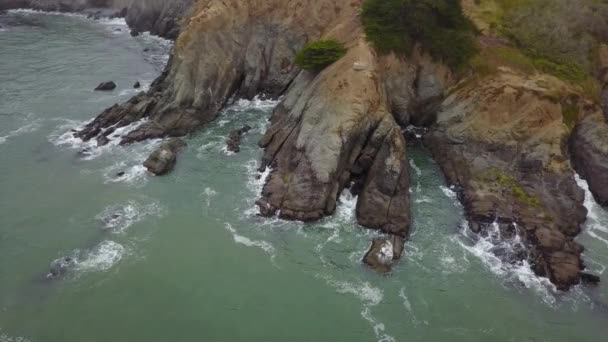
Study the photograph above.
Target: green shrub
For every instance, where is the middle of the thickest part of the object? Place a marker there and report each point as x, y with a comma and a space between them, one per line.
439, 26
318, 55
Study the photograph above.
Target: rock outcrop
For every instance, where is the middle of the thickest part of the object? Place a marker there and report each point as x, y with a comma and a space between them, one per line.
502, 140
333, 128
106, 86
163, 159
501, 136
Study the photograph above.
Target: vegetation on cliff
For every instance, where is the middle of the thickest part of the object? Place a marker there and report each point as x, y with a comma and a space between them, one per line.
557, 37
439, 26
317, 55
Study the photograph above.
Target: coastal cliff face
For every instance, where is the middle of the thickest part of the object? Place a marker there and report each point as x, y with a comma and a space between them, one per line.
333, 128
504, 131
159, 17
502, 141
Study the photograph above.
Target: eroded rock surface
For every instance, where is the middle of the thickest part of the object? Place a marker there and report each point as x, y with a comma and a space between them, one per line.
163, 159
502, 140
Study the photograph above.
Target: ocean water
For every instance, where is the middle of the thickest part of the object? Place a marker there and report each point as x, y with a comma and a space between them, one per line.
184, 257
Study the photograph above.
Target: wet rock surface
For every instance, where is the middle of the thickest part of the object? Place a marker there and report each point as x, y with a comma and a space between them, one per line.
163, 159
503, 142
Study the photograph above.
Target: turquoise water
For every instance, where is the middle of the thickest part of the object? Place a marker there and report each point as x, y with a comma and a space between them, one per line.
185, 258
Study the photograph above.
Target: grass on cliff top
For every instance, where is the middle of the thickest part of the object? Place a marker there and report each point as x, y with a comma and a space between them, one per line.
439, 26
320, 54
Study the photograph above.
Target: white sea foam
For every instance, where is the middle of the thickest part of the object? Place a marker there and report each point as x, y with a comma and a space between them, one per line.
484, 247
450, 193
596, 215
258, 102
255, 184
346, 207
118, 218
64, 136
102, 257
243, 240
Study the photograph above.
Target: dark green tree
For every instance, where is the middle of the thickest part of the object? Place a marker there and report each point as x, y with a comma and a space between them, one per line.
439, 26
318, 55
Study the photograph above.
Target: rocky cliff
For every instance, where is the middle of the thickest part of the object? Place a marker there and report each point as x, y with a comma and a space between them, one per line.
503, 131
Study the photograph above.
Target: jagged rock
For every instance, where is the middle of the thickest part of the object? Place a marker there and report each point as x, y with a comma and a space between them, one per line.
502, 139
120, 174
589, 147
380, 255
163, 159
233, 142
106, 86
137, 85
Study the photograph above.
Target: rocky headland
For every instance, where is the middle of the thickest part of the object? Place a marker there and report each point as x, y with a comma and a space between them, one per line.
508, 129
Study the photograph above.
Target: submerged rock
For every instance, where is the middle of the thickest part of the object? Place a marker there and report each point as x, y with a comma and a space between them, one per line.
233, 142
106, 86
163, 159
60, 266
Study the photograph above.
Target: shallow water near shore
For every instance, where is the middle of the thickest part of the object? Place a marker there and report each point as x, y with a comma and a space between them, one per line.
184, 257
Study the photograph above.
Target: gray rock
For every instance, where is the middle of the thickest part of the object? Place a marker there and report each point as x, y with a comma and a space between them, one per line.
106, 86
163, 159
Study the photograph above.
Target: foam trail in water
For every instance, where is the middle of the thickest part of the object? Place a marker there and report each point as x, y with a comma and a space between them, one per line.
369, 296
415, 167
243, 240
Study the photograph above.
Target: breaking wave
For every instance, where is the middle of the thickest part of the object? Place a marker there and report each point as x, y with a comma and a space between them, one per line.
595, 214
